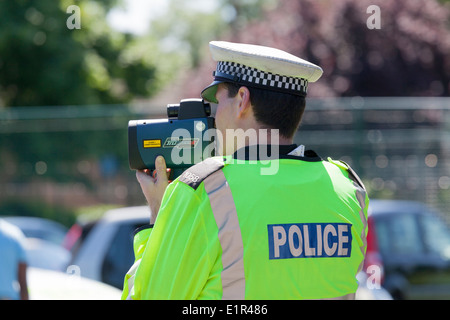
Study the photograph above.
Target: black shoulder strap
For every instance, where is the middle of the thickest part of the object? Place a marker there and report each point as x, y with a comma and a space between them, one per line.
351, 173
195, 175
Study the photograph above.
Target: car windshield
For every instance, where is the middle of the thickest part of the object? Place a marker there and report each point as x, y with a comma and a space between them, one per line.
398, 234
436, 235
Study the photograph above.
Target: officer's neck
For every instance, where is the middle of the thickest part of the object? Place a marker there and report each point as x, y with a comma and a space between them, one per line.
268, 136
283, 140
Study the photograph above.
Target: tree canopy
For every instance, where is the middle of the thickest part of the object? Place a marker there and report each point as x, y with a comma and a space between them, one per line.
43, 62
406, 56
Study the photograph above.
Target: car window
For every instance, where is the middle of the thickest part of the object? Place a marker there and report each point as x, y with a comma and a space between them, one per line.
405, 234
120, 256
398, 234
436, 235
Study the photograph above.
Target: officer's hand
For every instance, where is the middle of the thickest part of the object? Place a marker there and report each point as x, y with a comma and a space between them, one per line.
154, 186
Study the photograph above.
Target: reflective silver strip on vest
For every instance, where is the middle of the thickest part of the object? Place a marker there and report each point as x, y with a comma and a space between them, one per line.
224, 210
130, 282
361, 196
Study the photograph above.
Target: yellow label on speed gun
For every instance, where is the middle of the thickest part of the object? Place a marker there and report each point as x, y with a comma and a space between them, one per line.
152, 143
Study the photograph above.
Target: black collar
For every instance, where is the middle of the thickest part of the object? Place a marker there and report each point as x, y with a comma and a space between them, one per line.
264, 152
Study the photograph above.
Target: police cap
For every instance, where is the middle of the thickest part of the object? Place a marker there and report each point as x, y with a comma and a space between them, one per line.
260, 67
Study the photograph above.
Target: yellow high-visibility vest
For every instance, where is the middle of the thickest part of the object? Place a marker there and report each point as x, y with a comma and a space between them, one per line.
227, 231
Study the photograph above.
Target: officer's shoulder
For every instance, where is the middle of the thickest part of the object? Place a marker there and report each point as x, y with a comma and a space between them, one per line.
196, 174
351, 173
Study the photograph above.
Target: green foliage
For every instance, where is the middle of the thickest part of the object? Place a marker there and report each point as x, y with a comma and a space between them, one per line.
92, 213
241, 12
62, 137
43, 62
15, 207
188, 28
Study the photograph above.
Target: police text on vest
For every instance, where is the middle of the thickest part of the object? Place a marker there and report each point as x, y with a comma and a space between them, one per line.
309, 240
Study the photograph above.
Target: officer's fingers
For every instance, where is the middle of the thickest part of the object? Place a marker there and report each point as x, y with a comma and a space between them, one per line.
144, 178
161, 169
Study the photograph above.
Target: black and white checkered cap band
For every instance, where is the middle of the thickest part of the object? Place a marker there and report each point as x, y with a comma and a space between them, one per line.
242, 74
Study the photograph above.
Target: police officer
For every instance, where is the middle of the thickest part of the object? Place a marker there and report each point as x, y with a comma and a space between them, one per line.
266, 219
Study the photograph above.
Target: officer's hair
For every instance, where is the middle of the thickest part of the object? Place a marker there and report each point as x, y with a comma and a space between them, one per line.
276, 110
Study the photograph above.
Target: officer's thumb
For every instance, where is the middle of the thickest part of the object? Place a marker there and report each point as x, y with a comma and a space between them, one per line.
161, 169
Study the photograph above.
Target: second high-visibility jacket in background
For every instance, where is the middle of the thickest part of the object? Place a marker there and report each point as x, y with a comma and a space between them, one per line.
225, 230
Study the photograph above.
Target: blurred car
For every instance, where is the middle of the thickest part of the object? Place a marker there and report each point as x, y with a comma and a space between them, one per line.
103, 249
51, 285
43, 242
39, 228
410, 244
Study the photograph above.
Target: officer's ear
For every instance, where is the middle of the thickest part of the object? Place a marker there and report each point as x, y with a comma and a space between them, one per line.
245, 106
